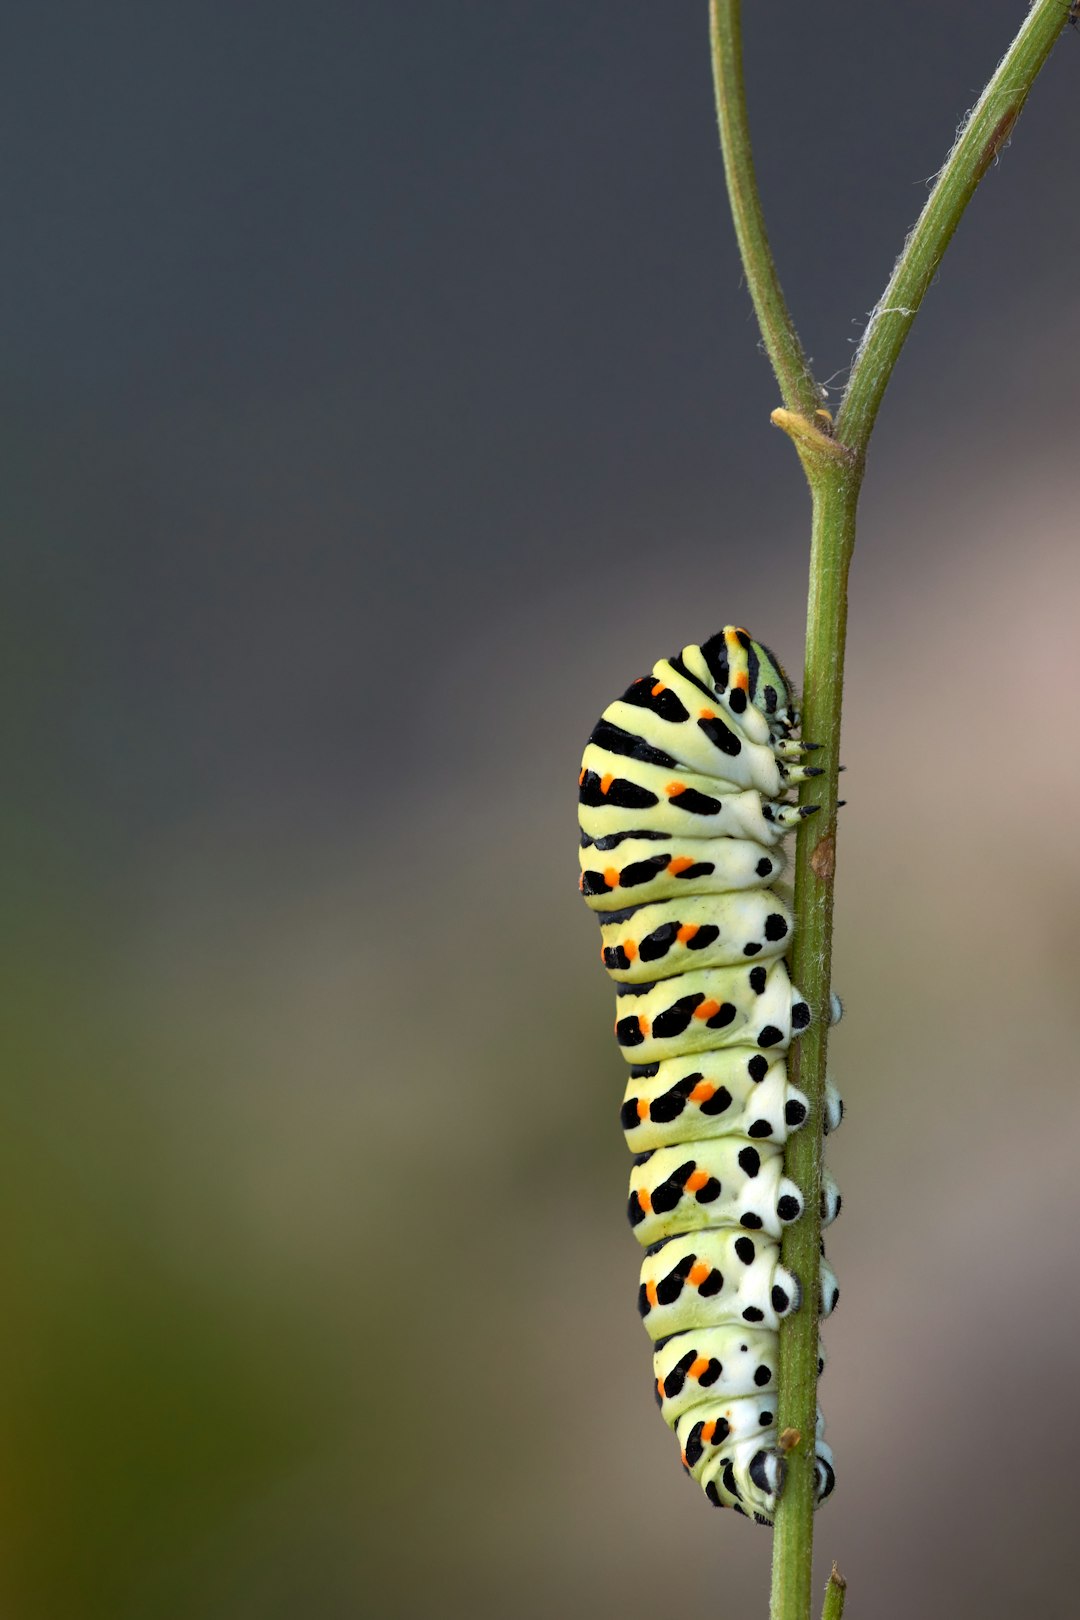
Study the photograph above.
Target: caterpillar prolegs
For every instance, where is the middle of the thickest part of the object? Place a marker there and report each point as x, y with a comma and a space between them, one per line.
684, 807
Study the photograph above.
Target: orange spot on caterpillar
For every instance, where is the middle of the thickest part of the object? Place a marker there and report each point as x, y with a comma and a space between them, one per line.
629, 950
611, 876
702, 1091
643, 1025
606, 781
642, 1108
581, 776
685, 1464
698, 1273
660, 1388
695, 1182
700, 1365
706, 714
708, 1431
650, 1293
658, 688
686, 933
708, 1009
644, 1200
581, 883
742, 681
673, 788
679, 864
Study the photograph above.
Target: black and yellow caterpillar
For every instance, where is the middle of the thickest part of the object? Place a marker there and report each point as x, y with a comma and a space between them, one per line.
683, 810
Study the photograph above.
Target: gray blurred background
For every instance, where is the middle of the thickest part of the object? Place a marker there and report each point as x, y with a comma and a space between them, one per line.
379, 396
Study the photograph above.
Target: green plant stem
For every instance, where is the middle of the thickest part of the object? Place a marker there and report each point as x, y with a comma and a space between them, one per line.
835, 1592
835, 491
982, 138
789, 363
834, 463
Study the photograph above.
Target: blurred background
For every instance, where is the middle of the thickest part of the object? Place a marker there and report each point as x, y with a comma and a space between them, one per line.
379, 396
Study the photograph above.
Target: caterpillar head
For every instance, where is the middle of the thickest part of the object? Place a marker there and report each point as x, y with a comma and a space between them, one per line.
747, 672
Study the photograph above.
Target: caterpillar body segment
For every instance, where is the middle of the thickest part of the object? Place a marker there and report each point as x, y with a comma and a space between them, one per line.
692, 734
721, 1183
704, 1280
628, 869
683, 811
755, 1006
716, 1093
709, 931
667, 799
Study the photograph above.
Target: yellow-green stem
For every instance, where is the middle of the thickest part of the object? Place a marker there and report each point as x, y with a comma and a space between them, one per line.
835, 491
789, 363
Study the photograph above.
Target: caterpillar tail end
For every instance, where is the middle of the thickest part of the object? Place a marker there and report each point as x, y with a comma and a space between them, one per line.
751, 1478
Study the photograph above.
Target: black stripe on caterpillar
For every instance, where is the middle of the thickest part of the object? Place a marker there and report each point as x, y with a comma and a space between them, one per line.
683, 807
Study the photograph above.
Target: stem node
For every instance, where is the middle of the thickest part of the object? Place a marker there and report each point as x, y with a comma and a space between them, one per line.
808, 434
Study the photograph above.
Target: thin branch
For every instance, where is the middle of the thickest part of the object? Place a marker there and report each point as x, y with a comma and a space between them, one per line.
835, 1592
797, 387
983, 137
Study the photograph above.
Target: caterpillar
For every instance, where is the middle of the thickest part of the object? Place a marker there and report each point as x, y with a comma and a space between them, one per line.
683, 809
